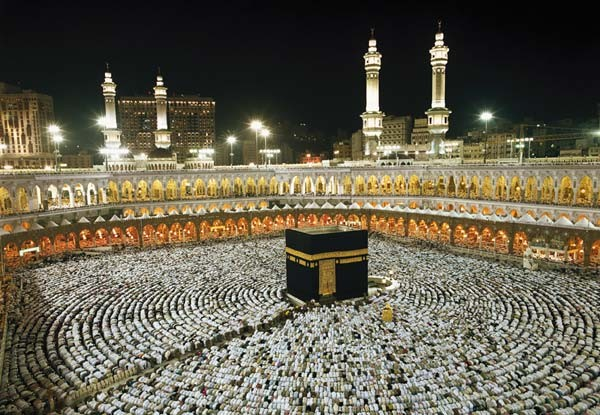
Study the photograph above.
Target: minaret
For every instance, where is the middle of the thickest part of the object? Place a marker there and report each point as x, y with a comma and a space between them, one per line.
372, 117
438, 115
162, 135
112, 135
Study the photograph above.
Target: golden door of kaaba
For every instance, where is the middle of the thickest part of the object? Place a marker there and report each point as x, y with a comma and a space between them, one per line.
326, 276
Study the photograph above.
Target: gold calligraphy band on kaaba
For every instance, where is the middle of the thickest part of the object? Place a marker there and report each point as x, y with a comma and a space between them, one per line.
327, 255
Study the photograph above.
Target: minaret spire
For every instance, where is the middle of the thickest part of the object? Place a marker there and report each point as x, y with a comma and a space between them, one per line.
372, 117
438, 115
162, 135
112, 136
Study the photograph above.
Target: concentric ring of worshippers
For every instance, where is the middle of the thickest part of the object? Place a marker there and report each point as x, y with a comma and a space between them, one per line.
468, 336
82, 321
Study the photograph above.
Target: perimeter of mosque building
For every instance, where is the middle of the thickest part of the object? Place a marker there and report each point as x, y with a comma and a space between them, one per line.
159, 287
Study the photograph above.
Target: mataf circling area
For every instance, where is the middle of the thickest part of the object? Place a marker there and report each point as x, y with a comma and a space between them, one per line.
468, 336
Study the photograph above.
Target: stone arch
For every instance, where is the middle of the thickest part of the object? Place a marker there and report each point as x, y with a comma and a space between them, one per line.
127, 191
520, 243
230, 228
242, 226
320, 186
250, 187
462, 187
51, 197
428, 187
101, 237
500, 189
487, 239
212, 189
112, 192
575, 250
176, 232
156, 192
548, 190
290, 221
515, 192
347, 185
486, 188
199, 188
445, 233
66, 195
474, 190
372, 185
225, 187
585, 192
261, 187
22, 201
285, 188
440, 188
400, 187
185, 189
531, 189
451, 189
307, 185
86, 239
413, 229
386, 185
115, 237
565, 191
501, 242
161, 236
273, 186
472, 237
238, 187
333, 186
148, 235
131, 236
46, 246
360, 187
414, 186
142, 192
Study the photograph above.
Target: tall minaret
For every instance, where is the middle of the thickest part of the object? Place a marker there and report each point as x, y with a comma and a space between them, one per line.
438, 115
162, 135
112, 135
372, 117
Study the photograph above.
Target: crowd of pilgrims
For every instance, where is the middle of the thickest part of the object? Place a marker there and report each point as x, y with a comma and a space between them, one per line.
201, 326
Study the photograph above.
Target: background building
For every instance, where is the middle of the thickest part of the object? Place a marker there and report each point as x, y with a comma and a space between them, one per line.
83, 160
342, 150
191, 121
24, 119
420, 132
396, 130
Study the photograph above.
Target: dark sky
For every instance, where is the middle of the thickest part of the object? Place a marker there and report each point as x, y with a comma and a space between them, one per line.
302, 61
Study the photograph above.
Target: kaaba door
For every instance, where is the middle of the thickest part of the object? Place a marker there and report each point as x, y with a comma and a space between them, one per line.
327, 277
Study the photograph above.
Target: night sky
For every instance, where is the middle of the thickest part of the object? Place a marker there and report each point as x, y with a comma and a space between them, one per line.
302, 61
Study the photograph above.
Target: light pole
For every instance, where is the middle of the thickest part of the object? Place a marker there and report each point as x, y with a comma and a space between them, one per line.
256, 126
485, 117
265, 133
231, 141
57, 138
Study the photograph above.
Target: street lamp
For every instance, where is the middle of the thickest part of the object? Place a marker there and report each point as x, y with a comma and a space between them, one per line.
231, 141
57, 138
265, 133
256, 126
485, 117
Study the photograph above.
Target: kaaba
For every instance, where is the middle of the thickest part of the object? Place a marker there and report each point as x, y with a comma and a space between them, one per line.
326, 263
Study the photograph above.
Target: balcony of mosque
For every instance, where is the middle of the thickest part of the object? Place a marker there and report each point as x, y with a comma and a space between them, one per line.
431, 209
558, 244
